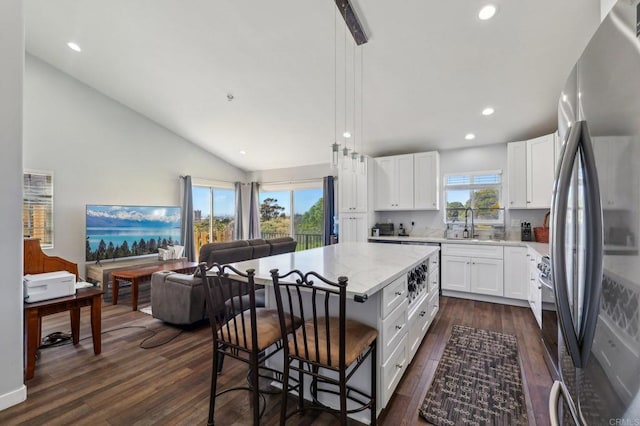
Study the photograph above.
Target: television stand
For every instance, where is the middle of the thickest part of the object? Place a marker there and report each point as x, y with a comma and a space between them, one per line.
100, 273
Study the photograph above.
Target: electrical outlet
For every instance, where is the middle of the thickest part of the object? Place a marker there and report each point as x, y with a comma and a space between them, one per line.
515, 222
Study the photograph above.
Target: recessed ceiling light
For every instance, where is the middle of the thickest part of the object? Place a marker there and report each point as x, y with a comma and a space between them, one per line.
487, 12
469, 136
74, 46
346, 134
488, 111
243, 152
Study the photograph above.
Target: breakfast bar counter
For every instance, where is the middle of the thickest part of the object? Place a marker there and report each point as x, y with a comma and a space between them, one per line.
369, 266
393, 288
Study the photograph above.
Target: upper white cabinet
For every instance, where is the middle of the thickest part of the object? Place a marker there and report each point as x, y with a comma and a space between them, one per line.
615, 171
352, 191
407, 182
426, 180
394, 183
531, 168
517, 174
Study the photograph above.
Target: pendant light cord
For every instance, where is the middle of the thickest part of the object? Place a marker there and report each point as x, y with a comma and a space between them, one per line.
335, 77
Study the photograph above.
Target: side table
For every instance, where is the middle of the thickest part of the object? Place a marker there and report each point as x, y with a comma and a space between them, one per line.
33, 313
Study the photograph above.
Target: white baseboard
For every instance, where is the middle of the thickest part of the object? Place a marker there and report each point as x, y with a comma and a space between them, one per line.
14, 397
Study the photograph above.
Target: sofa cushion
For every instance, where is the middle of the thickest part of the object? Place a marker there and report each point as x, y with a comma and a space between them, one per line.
282, 245
207, 249
260, 248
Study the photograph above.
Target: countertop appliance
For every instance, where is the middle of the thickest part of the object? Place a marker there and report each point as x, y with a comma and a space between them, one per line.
48, 285
385, 229
597, 294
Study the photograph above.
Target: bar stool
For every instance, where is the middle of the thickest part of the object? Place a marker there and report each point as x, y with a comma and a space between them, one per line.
242, 332
323, 344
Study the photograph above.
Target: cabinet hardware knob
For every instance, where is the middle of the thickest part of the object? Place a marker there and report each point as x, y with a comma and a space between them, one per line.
539, 287
511, 202
398, 293
399, 366
399, 327
528, 202
423, 313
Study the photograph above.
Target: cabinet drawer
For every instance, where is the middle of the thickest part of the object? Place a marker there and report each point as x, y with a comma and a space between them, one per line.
433, 305
433, 280
418, 324
393, 370
434, 262
393, 295
394, 328
472, 250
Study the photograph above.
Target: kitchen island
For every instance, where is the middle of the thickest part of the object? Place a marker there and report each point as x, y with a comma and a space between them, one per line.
383, 291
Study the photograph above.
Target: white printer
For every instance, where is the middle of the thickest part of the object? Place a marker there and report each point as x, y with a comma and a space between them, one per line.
49, 285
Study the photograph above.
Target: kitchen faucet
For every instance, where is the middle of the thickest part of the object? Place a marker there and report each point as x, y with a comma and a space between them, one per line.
466, 212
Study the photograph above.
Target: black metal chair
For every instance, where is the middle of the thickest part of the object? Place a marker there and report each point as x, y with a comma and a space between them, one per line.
324, 344
240, 331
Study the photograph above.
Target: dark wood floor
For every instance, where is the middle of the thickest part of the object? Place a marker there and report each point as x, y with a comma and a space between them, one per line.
169, 384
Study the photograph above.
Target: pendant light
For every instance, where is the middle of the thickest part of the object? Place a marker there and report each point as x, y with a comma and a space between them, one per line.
335, 147
346, 134
354, 153
362, 165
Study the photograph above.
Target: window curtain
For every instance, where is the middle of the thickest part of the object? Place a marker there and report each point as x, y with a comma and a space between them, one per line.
237, 224
329, 210
187, 220
254, 211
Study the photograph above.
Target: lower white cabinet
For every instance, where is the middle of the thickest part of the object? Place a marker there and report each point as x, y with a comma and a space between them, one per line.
393, 369
535, 287
353, 227
516, 273
481, 274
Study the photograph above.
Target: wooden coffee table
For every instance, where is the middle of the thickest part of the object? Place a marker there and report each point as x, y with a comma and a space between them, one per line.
33, 313
143, 273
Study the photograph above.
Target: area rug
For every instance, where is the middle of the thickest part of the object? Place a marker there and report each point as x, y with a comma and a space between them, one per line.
477, 382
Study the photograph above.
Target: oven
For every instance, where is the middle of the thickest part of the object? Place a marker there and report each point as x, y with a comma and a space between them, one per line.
550, 331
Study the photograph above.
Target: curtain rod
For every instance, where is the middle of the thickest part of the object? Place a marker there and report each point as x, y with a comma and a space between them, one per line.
264, 183
294, 181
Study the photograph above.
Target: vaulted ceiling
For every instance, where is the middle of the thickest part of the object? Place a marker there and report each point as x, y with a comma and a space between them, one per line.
427, 72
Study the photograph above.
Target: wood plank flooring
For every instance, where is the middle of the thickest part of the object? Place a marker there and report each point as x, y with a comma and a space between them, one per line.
169, 384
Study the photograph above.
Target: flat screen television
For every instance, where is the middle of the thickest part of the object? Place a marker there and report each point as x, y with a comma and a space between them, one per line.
114, 231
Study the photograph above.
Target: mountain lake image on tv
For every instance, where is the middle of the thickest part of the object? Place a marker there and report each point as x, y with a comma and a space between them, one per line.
123, 231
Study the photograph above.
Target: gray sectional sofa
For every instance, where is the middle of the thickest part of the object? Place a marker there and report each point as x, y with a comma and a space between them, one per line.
179, 298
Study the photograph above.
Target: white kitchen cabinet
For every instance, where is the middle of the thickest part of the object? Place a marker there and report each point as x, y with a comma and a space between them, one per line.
535, 287
472, 269
456, 273
531, 169
353, 227
517, 174
394, 183
614, 174
540, 171
352, 190
426, 181
516, 273
487, 276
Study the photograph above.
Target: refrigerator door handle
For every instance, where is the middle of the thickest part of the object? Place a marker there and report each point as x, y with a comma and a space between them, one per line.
593, 246
559, 204
557, 390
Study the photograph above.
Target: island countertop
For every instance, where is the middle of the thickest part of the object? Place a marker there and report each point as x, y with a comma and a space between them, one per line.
368, 266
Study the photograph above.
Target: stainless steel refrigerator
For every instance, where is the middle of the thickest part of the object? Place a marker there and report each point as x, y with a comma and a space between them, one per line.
595, 230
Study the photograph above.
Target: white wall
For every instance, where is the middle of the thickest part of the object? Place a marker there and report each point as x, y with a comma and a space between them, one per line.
488, 157
605, 7
102, 152
12, 389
